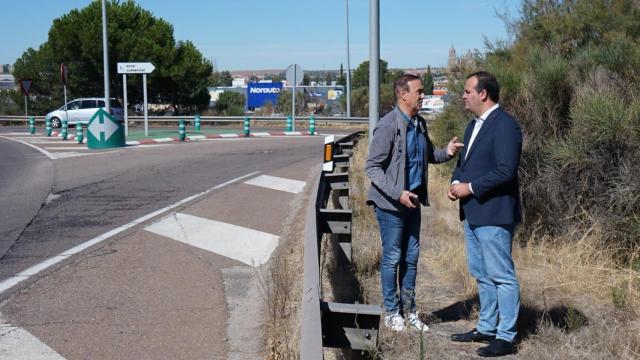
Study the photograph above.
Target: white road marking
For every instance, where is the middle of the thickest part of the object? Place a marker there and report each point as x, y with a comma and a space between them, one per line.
17, 343
249, 246
258, 134
65, 148
35, 269
48, 154
33, 137
196, 137
277, 183
48, 142
228, 135
163, 140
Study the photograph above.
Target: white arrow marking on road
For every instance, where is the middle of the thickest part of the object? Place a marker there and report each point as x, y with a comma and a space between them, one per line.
108, 127
18, 343
249, 246
277, 183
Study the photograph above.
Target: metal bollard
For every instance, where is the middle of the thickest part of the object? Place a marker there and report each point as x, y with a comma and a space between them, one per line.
289, 123
48, 126
79, 133
65, 129
181, 129
32, 125
246, 126
312, 125
197, 122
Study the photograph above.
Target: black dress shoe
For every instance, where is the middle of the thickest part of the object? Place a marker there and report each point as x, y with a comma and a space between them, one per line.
472, 336
497, 347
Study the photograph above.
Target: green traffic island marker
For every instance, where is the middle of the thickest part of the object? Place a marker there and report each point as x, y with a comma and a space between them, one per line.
181, 130
32, 125
104, 131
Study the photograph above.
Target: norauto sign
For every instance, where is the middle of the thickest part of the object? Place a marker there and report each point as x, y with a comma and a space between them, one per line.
258, 94
265, 90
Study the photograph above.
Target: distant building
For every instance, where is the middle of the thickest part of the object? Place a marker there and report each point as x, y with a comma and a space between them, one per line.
452, 63
7, 82
6, 69
432, 104
466, 62
239, 82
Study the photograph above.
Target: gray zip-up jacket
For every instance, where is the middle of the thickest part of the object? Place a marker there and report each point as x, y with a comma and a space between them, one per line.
387, 162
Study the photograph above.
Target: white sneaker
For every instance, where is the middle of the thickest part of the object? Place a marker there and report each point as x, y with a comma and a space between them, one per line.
394, 322
414, 320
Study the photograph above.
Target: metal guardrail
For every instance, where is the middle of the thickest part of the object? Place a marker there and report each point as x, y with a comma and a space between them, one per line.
331, 324
229, 119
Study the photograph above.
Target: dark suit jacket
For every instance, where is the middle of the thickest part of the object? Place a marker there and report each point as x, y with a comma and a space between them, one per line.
492, 169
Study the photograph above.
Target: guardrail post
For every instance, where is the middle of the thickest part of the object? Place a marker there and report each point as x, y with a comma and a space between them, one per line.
65, 129
32, 125
312, 125
48, 126
79, 133
289, 123
181, 129
197, 122
246, 126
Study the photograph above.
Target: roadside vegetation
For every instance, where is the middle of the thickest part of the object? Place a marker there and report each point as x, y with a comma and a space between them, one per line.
569, 74
179, 80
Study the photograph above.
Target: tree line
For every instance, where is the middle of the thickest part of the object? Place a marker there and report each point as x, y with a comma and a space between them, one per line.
135, 35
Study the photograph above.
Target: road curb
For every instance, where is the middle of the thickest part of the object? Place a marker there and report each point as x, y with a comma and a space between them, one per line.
200, 137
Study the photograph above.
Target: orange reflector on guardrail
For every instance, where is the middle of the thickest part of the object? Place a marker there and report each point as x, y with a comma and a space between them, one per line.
328, 154
328, 150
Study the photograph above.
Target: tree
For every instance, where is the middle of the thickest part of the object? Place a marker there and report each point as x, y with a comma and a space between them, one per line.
284, 102
306, 80
230, 103
181, 73
221, 78
360, 100
361, 74
427, 81
328, 78
342, 80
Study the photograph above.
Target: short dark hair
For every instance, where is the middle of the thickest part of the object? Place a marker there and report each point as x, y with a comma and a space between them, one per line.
488, 82
402, 83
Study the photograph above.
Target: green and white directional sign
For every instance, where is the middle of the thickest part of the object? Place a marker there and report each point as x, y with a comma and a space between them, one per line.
104, 131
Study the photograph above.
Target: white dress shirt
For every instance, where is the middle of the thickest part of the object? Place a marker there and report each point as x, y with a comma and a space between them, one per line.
478, 125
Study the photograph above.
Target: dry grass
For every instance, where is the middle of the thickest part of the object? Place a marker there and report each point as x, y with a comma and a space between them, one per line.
281, 285
577, 302
367, 247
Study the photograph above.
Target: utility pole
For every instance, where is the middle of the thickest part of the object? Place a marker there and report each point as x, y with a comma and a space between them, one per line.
105, 59
374, 65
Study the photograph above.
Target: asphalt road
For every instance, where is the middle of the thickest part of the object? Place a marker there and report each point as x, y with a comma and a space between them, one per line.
143, 293
92, 194
26, 177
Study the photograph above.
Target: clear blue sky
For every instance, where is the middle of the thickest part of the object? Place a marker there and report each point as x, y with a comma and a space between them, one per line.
271, 34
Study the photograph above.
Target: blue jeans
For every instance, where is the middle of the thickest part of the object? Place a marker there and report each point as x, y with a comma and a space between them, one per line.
400, 234
490, 263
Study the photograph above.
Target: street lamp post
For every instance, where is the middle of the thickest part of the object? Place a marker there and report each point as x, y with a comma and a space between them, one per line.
374, 64
348, 67
105, 59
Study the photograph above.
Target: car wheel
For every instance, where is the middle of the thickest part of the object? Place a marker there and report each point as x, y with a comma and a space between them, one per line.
55, 122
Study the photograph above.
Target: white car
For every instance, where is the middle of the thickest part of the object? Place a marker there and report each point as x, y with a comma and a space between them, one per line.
81, 110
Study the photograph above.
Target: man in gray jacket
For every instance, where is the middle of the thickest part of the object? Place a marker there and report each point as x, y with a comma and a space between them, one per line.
397, 166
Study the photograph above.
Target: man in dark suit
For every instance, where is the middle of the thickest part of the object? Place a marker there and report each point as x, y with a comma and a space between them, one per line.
485, 181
